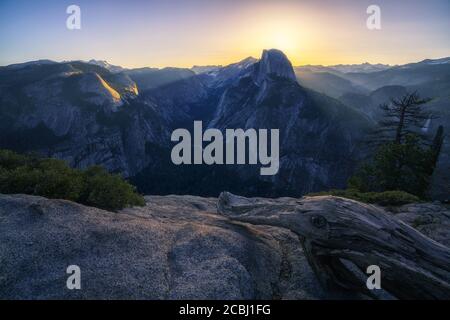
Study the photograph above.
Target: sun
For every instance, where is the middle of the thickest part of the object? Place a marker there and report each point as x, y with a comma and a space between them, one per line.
281, 35
283, 41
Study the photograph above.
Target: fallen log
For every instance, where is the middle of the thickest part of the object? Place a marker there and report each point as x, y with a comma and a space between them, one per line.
334, 230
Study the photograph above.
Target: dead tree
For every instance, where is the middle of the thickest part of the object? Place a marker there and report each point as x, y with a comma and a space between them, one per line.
401, 117
333, 230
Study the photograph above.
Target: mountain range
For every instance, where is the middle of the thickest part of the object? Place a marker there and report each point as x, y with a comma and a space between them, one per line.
96, 113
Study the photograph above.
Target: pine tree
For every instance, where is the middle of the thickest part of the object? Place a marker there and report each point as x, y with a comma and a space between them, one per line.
404, 160
401, 117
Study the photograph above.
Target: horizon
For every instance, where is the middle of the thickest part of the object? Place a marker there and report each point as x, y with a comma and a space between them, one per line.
224, 65
196, 32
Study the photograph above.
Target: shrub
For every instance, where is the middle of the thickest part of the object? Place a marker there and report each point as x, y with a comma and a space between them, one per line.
406, 167
10, 160
390, 198
57, 180
19, 180
52, 178
108, 191
386, 198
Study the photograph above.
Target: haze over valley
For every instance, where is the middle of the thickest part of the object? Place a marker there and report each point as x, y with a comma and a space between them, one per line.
96, 113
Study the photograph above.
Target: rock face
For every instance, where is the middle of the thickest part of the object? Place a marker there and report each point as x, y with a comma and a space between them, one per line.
176, 247
274, 62
319, 136
93, 114
78, 112
98, 91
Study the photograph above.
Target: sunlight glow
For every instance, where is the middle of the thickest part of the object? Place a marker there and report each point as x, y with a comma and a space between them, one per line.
283, 38
185, 33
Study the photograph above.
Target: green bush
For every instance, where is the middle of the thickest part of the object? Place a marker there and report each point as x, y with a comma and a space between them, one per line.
19, 180
108, 191
391, 198
10, 160
386, 198
52, 178
407, 167
57, 180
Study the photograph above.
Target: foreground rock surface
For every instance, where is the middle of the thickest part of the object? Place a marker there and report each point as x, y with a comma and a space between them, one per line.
176, 247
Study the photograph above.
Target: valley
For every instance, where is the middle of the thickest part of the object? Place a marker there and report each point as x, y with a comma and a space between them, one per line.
98, 114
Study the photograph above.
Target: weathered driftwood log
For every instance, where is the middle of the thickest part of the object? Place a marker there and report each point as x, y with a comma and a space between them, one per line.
334, 229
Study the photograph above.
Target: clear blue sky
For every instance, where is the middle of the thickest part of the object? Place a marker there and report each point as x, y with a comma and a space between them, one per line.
186, 32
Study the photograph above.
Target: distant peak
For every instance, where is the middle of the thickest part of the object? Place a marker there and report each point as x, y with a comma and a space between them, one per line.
105, 64
248, 60
244, 63
99, 62
274, 62
30, 63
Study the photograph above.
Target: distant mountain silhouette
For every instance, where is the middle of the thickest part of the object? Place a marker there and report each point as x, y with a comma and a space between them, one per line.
96, 113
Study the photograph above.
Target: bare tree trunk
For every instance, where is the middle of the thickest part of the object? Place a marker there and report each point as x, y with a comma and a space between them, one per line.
334, 229
401, 123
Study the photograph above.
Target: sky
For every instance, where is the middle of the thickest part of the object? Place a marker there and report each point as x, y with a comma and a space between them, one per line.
183, 33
